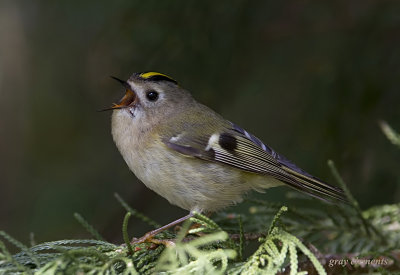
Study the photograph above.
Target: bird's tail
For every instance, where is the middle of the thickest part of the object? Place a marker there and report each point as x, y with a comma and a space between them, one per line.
313, 186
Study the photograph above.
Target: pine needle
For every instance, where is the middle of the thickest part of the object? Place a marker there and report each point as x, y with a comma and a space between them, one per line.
88, 227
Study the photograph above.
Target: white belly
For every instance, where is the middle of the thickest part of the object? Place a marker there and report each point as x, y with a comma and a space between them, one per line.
187, 182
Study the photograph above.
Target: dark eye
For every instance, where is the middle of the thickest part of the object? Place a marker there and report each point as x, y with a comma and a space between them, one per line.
152, 95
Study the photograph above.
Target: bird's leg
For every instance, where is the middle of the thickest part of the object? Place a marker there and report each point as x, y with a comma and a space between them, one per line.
148, 237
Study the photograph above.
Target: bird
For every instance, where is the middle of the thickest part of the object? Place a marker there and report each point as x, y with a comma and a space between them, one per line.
192, 156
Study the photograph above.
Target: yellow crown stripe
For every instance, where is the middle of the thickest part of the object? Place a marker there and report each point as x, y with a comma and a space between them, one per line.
150, 74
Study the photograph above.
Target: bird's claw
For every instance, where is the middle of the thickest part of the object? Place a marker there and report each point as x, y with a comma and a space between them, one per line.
149, 238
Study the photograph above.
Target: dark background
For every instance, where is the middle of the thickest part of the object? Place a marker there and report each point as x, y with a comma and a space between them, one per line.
310, 78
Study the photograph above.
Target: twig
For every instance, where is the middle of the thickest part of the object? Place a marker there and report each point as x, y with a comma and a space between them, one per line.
366, 224
136, 213
125, 233
349, 196
88, 227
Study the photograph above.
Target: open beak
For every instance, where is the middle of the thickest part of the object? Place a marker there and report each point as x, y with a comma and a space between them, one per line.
129, 99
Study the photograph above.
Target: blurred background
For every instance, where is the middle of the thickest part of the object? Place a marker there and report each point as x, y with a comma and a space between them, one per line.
310, 78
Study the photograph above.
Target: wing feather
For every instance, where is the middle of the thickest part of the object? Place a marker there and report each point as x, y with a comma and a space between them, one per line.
236, 147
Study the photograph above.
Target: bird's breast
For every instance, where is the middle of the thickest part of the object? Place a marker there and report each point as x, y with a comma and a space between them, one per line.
187, 182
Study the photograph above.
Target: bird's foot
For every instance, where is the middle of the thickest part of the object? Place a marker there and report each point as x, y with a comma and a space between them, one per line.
149, 238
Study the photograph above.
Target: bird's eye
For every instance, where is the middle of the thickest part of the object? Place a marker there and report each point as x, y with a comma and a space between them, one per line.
152, 95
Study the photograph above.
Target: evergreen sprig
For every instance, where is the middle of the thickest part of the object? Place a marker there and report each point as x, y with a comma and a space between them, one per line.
288, 237
88, 227
192, 258
276, 248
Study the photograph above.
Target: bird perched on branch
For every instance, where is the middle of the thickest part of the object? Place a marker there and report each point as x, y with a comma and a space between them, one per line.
192, 156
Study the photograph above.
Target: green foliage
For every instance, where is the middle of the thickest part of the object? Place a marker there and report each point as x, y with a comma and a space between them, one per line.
209, 254
125, 233
136, 213
88, 227
197, 256
334, 229
271, 256
218, 245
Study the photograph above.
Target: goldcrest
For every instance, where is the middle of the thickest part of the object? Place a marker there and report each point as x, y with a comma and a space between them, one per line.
192, 156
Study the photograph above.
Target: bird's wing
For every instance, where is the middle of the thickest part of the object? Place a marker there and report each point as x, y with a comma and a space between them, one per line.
236, 147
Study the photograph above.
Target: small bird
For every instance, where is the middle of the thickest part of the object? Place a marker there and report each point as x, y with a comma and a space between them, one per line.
192, 156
